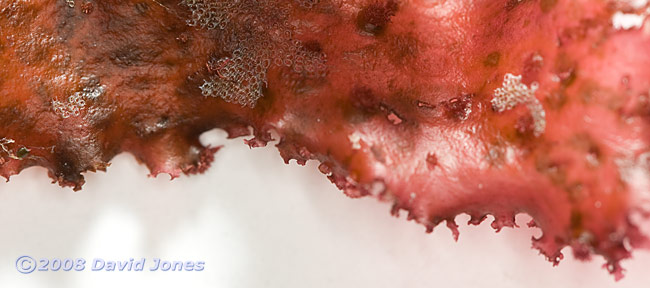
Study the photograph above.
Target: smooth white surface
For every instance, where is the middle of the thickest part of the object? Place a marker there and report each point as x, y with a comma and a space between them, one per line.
259, 223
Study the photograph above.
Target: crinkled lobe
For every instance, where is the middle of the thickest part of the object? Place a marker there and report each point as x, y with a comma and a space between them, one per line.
394, 98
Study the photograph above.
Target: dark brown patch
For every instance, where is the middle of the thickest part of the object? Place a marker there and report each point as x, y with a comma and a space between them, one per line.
556, 100
512, 4
568, 78
12, 116
459, 108
374, 18
547, 5
492, 59
67, 169
588, 147
132, 55
576, 192
432, 161
554, 171
378, 153
576, 223
141, 7
364, 99
313, 46
566, 69
266, 102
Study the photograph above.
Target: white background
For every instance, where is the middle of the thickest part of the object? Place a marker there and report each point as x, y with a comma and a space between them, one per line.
259, 223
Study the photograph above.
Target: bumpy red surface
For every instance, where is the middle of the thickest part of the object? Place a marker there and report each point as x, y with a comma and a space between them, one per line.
401, 100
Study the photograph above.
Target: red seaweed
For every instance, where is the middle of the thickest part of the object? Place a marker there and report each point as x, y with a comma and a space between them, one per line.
481, 107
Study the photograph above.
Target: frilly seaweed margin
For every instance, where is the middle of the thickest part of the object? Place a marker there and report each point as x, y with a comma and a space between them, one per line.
548, 245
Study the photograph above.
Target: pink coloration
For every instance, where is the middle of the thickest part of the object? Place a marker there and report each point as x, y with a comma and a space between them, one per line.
440, 107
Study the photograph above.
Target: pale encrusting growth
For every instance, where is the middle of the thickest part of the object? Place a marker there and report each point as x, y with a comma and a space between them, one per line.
77, 101
512, 93
253, 41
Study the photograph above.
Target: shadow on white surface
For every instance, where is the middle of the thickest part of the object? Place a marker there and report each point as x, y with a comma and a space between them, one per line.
259, 223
